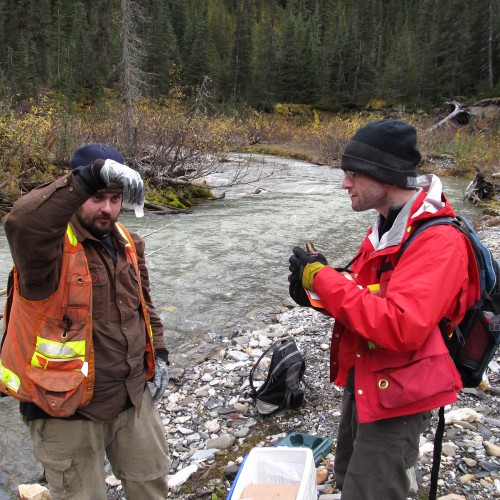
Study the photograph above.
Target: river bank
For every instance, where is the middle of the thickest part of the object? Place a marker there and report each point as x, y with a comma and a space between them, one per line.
206, 408
211, 424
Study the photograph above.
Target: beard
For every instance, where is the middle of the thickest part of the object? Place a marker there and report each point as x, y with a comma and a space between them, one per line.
99, 226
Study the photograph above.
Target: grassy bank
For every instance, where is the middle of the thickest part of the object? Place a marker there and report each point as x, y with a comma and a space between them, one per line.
172, 145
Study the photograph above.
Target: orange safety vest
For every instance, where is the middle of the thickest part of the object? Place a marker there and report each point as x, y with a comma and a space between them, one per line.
47, 355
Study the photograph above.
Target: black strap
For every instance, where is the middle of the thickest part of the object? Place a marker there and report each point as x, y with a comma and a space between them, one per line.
436, 459
435, 221
347, 267
254, 367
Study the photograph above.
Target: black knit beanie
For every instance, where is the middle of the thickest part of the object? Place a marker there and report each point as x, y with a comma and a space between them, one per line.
88, 175
385, 150
87, 154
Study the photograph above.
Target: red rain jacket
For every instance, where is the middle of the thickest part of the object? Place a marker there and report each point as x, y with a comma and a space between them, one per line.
402, 365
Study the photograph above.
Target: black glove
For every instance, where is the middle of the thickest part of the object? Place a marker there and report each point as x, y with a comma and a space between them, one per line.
302, 259
296, 290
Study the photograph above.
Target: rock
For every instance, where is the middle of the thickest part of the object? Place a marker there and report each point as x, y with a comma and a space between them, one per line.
33, 492
200, 455
185, 431
231, 471
222, 442
492, 449
462, 414
449, 449
238, 355
178, 479
212, 426
113, 481
467, 478
321, 475
241, 432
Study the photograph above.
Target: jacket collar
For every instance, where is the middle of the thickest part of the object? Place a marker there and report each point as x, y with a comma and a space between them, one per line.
428, 201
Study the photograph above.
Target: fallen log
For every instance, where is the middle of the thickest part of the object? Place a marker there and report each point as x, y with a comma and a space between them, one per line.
457, 110
164, 209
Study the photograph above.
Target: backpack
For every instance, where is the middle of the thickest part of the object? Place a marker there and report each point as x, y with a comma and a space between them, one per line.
473, 342
281, 390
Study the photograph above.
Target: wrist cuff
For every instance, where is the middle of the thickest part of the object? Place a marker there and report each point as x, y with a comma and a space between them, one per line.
309, 273
162, 354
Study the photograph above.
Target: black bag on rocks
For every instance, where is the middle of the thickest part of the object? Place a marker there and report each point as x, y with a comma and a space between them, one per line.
281, 389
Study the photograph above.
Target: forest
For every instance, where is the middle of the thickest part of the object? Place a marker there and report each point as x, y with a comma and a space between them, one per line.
333, 54
176, 84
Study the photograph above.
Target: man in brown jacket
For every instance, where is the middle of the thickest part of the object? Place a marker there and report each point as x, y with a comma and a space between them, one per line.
119, 346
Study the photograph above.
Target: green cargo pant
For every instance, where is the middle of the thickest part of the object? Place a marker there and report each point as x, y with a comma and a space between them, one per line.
372, 460
73, 454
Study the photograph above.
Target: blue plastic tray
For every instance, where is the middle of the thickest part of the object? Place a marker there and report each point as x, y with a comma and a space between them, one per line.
320, 446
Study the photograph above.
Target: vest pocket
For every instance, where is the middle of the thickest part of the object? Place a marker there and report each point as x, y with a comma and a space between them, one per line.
58, 393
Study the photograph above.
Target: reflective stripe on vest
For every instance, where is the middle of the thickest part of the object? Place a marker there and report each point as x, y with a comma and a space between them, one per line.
9, 378
67, 356
71, 235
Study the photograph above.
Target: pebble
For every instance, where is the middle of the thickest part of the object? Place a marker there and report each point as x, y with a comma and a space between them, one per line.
207, 410
225, 418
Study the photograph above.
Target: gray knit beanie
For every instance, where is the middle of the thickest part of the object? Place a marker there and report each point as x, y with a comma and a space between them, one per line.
385, 150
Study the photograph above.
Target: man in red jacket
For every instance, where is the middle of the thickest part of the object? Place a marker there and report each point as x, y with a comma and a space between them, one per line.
387, 350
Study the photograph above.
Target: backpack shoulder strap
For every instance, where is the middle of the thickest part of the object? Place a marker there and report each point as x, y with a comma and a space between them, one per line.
435, 221
254, 367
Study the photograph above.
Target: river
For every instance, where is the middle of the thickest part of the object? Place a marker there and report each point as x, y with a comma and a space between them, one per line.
225, 265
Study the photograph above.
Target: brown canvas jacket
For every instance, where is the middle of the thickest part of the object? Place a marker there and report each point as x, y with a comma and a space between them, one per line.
35, 229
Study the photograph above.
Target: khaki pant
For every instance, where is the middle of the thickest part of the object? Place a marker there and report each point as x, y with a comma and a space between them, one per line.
372, 460
73, 454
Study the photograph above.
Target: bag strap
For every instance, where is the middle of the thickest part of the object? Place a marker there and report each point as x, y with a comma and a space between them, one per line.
436, 458
347, 267
435, 221
256, 364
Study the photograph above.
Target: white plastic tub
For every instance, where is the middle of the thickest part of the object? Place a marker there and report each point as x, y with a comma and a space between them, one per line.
277, 466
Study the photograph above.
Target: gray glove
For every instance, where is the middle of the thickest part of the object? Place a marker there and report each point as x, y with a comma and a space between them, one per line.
113, 172
160, 380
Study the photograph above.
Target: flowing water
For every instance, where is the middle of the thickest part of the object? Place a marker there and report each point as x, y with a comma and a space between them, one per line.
225, 265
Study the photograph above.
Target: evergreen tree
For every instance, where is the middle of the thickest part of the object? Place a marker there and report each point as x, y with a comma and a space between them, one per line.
194, 43
265, 62
220, 33
242, 50
162, 48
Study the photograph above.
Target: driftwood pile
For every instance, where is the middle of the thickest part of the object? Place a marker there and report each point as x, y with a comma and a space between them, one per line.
481, 189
